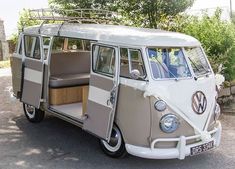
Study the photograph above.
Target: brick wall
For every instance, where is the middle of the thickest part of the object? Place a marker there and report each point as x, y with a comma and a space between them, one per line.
12, 46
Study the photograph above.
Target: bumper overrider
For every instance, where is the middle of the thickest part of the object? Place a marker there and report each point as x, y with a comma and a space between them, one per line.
181, 150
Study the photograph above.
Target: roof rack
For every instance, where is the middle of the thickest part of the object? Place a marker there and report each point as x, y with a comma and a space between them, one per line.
74, 15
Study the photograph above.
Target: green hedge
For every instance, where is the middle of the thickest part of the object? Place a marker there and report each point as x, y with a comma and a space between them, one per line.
216, 36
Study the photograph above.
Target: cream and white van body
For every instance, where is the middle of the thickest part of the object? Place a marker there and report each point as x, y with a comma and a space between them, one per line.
149, 92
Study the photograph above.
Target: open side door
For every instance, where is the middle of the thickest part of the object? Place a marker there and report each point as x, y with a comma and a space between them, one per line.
32, 70
16, 68
103, 91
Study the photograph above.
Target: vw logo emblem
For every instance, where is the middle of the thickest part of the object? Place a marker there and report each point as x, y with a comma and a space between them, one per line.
199, 102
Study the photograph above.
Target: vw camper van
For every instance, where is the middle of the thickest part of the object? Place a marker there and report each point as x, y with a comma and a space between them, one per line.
146, 92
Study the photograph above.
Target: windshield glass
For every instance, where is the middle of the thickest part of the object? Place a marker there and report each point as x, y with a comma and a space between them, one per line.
168, 63
197, 60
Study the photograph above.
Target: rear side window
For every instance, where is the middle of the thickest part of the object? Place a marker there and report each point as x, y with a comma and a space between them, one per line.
65, 44
46, 46
104, 60
46, 41
20, 48
32, 47
58, 44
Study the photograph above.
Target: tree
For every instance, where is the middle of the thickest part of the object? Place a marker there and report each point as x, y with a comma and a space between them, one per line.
216, 36
76, 4
148, 13
24, 21
144, 13
233, 18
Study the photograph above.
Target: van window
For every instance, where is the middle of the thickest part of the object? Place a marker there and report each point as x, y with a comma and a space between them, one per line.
197, 60
58, 44
168, 63
74, 44
136, 62
32, 47
86, 45
104, 60
70, 44
46, 46
20, 48
46, 41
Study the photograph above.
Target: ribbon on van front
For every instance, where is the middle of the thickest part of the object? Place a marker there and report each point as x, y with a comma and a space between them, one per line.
156, 92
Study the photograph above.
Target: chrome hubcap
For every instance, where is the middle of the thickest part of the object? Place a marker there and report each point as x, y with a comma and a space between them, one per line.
115, 140
30, 111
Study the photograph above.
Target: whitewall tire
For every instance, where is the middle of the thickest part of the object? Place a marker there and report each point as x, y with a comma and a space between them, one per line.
115, 147
33, 114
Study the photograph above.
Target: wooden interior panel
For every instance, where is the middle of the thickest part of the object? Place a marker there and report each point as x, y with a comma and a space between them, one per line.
70, 95
65, 95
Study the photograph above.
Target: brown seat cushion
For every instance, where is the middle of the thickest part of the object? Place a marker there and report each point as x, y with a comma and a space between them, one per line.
68, 80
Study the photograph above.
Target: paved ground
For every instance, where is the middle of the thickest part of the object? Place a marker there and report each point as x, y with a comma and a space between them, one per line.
58, 144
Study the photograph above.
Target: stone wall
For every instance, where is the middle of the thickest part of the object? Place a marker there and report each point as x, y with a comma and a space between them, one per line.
4, 49
12, 46
227, 99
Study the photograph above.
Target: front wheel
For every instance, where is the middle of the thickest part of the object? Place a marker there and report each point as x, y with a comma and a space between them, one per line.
115, 148
33, 114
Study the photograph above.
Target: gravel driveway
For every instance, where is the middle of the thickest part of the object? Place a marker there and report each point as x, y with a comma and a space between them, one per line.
57, 144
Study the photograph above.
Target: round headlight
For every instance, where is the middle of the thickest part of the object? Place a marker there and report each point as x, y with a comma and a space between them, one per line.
160, 105
169, 123
217, 111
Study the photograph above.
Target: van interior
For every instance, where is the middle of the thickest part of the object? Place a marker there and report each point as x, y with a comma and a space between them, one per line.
69, 76
70, 73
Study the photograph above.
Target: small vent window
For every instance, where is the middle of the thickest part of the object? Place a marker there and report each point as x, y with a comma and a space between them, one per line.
32, 47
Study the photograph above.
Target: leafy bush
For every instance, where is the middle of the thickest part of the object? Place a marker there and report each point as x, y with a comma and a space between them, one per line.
216, 36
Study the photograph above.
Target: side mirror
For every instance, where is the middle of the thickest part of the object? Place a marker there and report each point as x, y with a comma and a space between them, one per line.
135, 74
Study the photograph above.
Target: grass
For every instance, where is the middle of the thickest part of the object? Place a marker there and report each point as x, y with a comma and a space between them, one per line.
4, 64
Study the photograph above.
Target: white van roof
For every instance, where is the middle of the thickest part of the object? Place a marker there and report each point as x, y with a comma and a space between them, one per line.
117, 34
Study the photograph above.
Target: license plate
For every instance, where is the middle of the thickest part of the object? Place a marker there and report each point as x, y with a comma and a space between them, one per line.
201, 148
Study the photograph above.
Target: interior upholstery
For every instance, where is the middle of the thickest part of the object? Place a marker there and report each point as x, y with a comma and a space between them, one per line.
124, 69
159, 70
69, 69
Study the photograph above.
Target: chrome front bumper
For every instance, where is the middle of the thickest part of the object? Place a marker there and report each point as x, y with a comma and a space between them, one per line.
181, 151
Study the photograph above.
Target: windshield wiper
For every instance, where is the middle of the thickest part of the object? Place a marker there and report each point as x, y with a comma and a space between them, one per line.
194, 64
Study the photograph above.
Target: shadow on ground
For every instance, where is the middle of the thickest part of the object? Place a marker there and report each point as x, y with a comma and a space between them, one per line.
57, 144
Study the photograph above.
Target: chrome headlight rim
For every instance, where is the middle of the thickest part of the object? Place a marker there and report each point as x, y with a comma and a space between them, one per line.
160, 105
169, 118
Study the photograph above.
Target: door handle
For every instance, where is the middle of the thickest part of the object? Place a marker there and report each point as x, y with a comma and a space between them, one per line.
112, 96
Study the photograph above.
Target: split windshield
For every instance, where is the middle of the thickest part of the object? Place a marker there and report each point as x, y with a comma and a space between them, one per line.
168, 63
171, 62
